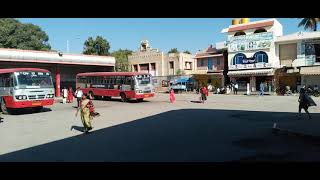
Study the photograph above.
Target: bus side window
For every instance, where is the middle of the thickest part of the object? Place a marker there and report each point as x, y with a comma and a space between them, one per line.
7, 82
1, 81
111, 82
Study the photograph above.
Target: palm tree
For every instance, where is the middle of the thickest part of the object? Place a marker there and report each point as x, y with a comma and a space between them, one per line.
309, 23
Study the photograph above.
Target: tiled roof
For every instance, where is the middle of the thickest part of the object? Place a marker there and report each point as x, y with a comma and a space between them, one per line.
210, 51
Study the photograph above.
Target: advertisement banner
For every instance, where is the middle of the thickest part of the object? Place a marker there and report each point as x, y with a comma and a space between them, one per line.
250, 42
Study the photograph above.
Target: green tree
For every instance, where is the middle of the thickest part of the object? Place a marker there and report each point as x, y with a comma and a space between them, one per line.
187, 52
121, 56
180, 72
98, 46
14, 34
309, 23
173, 50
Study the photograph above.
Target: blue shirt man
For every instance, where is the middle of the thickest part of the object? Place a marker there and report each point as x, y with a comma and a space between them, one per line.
261, 89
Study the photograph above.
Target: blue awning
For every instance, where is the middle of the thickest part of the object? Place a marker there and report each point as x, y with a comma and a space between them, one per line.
183, 80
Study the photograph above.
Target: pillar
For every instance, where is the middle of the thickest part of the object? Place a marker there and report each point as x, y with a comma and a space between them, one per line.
57, 81
223, 80
253, 83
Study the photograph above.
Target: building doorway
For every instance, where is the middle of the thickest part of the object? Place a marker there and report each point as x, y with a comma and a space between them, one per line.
242, 83
267, 81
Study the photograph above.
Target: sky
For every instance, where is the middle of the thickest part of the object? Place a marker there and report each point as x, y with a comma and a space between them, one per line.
190, 34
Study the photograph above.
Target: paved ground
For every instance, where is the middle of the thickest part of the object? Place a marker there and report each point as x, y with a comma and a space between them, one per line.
225, 128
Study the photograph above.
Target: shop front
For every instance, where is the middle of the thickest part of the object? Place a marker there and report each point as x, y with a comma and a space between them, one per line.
310, 76
254, 78
215, 79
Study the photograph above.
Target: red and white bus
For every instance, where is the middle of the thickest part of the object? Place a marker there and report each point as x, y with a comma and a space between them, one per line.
127, 85
25, 88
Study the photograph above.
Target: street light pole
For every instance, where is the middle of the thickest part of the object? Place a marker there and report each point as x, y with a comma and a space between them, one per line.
68, 48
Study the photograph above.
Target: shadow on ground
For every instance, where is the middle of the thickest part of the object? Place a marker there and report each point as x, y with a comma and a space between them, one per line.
118, 99
188, 135
24, 111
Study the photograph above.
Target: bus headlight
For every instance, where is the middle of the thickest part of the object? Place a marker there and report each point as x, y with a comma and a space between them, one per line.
20, 97
50, 95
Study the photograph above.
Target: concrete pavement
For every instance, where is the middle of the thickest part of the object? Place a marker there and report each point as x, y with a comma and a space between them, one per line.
225, 128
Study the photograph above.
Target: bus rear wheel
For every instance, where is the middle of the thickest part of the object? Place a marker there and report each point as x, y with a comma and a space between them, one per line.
123, 97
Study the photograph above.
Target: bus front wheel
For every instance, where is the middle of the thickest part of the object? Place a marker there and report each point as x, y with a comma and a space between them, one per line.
37, 109
123, 97
140, 99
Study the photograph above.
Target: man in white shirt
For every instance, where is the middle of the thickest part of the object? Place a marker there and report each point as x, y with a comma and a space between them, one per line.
78, 95
235, 89
64, 95
209, 87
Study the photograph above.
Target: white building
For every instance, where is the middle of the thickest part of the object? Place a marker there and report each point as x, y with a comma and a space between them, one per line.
252, 52
299, 54
158, 63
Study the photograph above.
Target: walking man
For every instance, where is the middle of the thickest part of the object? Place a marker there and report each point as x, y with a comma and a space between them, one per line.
236, 86
261, 89
64, 95
78, 95
305, 102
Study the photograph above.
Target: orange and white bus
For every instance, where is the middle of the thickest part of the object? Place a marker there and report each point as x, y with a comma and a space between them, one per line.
25, 88
127, 85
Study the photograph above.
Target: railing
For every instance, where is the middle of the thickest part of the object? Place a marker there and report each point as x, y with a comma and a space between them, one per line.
202, 68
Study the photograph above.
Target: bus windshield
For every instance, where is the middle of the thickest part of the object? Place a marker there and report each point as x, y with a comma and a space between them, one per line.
33, 80
143, 79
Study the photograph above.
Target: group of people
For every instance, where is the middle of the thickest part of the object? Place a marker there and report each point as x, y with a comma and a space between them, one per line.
67, 95
203, 91
87, 108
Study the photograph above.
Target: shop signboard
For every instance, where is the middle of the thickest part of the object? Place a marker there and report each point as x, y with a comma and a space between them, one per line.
250, 42
251, 66
260, 65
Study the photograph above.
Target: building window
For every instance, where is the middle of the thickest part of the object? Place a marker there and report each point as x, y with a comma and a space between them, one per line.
261, 30
188, 65
202, 62
135, 67
240, 33
218, 61
261, 57
153, 66
238, 58
171, 64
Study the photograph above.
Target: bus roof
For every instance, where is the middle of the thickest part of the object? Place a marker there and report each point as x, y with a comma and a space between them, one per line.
12, 70
111, 74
